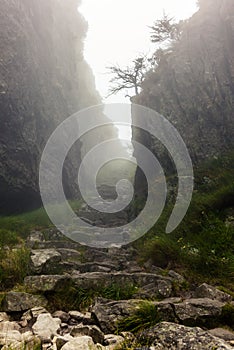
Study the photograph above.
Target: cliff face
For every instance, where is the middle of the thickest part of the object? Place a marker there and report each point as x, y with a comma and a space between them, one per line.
193, 85
43, 80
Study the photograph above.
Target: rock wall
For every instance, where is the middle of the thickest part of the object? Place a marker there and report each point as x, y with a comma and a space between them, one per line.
193, 84
43, 80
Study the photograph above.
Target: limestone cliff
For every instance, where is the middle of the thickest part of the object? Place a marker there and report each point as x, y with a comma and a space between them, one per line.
193, 84
43, 80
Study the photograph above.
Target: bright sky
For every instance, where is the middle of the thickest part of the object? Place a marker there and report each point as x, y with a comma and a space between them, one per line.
119, 31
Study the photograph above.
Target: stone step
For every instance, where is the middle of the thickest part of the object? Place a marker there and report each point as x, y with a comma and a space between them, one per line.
96, 280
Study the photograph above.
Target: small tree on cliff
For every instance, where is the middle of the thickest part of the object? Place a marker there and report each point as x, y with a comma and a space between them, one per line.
165, 29
130, 77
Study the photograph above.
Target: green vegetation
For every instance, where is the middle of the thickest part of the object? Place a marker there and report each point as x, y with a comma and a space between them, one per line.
14, 259
13, 266
25, 346
203, 245
142, 317
22, 224
73, 298
227, 316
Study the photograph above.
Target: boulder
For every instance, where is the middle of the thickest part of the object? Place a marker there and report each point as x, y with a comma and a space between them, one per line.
92, 331
31, 315
63, 316
46, 326
46, 283
162, 285
176, 276
171, 336
7, 326
45, 261
59, 340
222, 333
84, 318
4, 317
113, 341
192, 310
152, 291
10, 337
80, 343
108, 314
34, 238
17, 301
207, 291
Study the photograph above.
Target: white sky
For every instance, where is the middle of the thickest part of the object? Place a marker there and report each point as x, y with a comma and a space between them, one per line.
119, 31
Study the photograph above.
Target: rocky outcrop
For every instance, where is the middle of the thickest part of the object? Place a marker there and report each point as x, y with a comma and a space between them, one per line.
170, 336
17, 301
44, 79
193, 86
26, 319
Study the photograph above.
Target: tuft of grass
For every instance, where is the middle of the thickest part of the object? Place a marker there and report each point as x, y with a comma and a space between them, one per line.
14, 266
118, 292
73, 298
142, 317
227, 316
70, 298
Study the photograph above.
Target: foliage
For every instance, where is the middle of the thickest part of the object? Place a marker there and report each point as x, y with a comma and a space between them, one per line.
13, 266
227, 316
142, 317
8, 238
165, 29
23, 223
71, 297
203, 245
130, 77
119, 292
25, 346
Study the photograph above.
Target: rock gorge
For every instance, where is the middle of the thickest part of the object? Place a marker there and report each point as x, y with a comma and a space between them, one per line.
193, 82
44, 79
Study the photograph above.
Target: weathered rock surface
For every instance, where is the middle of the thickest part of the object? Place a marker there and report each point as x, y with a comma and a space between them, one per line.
45, 283
92, 331
171, 336
43, 260
81, 343
108, 314
207, 291
46, 326
192, 310
9, 337
223, 334
30, 321
183, 82
16, 301
39, 88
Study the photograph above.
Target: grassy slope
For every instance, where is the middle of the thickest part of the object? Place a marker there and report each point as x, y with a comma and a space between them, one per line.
203, 245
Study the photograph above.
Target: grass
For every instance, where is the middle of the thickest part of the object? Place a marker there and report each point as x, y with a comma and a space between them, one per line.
25, 346
73, 298
23, 223
227, 316
142, 317
14, 265
203, 245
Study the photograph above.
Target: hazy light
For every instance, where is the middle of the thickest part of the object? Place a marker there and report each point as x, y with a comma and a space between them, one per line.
119, 31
